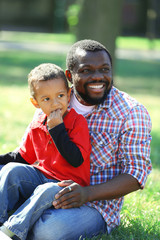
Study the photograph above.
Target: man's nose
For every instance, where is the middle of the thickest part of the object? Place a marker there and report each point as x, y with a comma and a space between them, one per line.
97, 75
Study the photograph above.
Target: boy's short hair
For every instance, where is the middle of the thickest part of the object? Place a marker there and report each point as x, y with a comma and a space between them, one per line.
45, 72
87, 45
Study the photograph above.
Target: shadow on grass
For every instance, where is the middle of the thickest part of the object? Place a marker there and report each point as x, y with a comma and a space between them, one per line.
142, 76
137, 68
138, 76
16, 65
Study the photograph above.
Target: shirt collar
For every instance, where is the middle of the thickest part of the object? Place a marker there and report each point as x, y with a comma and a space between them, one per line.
40, 121
108, 101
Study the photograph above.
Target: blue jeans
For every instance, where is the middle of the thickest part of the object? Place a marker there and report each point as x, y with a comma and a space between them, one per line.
36, 219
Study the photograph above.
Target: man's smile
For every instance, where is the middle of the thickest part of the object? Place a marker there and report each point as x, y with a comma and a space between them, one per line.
96, 87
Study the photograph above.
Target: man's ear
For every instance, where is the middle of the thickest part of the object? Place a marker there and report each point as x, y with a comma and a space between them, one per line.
69, 75
69, 94
34, 102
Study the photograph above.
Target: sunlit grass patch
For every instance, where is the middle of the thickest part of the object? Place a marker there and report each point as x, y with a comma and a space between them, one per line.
137, 43
15, 115
36, 37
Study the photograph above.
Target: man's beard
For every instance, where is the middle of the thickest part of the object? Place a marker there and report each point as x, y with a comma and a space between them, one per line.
95, 101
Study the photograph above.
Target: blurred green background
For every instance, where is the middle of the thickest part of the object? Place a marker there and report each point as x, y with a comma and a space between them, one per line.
130, 31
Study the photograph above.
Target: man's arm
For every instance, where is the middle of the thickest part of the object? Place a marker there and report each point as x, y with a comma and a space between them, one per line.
115, 188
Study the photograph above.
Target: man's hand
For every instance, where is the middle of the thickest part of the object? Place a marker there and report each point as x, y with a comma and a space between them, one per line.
117, 187
54, 119
71, 196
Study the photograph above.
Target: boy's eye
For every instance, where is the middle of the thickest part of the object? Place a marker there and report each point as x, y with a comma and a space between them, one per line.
46, 99
60, 95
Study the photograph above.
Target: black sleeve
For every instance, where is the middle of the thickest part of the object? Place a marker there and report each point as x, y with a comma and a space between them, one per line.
65, 146
11, 157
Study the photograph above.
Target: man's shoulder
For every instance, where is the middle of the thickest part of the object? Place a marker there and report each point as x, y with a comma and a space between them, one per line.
121, 103
124, 99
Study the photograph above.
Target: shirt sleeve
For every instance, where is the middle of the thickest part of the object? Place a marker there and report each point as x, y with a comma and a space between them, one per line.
134, 145
11, 157
65, 146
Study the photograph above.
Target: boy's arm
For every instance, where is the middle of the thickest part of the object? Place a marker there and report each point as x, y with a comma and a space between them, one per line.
11, 157
65, 146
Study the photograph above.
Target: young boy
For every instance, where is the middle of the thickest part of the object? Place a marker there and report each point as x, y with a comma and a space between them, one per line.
57, 147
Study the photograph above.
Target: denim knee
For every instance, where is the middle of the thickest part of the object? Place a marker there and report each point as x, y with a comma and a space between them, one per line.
48, 189
12, 168
11, 171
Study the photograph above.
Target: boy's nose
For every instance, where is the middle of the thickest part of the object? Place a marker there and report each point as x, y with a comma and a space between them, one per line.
55, 103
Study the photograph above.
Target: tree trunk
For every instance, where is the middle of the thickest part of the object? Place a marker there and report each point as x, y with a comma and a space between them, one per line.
100, 20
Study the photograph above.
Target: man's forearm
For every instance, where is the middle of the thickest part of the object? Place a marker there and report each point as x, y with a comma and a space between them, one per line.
115, 188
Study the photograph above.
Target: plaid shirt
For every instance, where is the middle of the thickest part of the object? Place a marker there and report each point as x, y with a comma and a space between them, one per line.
120, 138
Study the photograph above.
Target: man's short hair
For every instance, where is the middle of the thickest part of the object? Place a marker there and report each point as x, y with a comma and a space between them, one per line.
45, 72
87, 45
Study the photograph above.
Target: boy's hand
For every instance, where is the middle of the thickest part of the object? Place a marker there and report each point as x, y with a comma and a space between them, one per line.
54, 119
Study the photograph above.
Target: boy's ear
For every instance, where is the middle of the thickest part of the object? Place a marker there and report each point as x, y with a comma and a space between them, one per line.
68, 75
34, 102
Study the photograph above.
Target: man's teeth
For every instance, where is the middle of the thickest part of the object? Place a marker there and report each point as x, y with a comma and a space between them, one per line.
96, 86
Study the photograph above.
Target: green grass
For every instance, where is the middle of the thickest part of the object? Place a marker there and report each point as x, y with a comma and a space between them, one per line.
121, 42
15, 65
36, 37
138, 43
15, 114
141, 211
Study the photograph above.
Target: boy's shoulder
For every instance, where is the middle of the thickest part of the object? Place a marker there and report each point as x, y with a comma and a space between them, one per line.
73, 118
38, 120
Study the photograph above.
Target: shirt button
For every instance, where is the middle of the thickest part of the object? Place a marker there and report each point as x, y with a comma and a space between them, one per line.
50, 142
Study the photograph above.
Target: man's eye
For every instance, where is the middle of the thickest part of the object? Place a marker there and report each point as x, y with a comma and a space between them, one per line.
105, 69
86, 70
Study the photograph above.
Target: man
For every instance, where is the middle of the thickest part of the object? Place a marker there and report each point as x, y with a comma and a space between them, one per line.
120, 159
